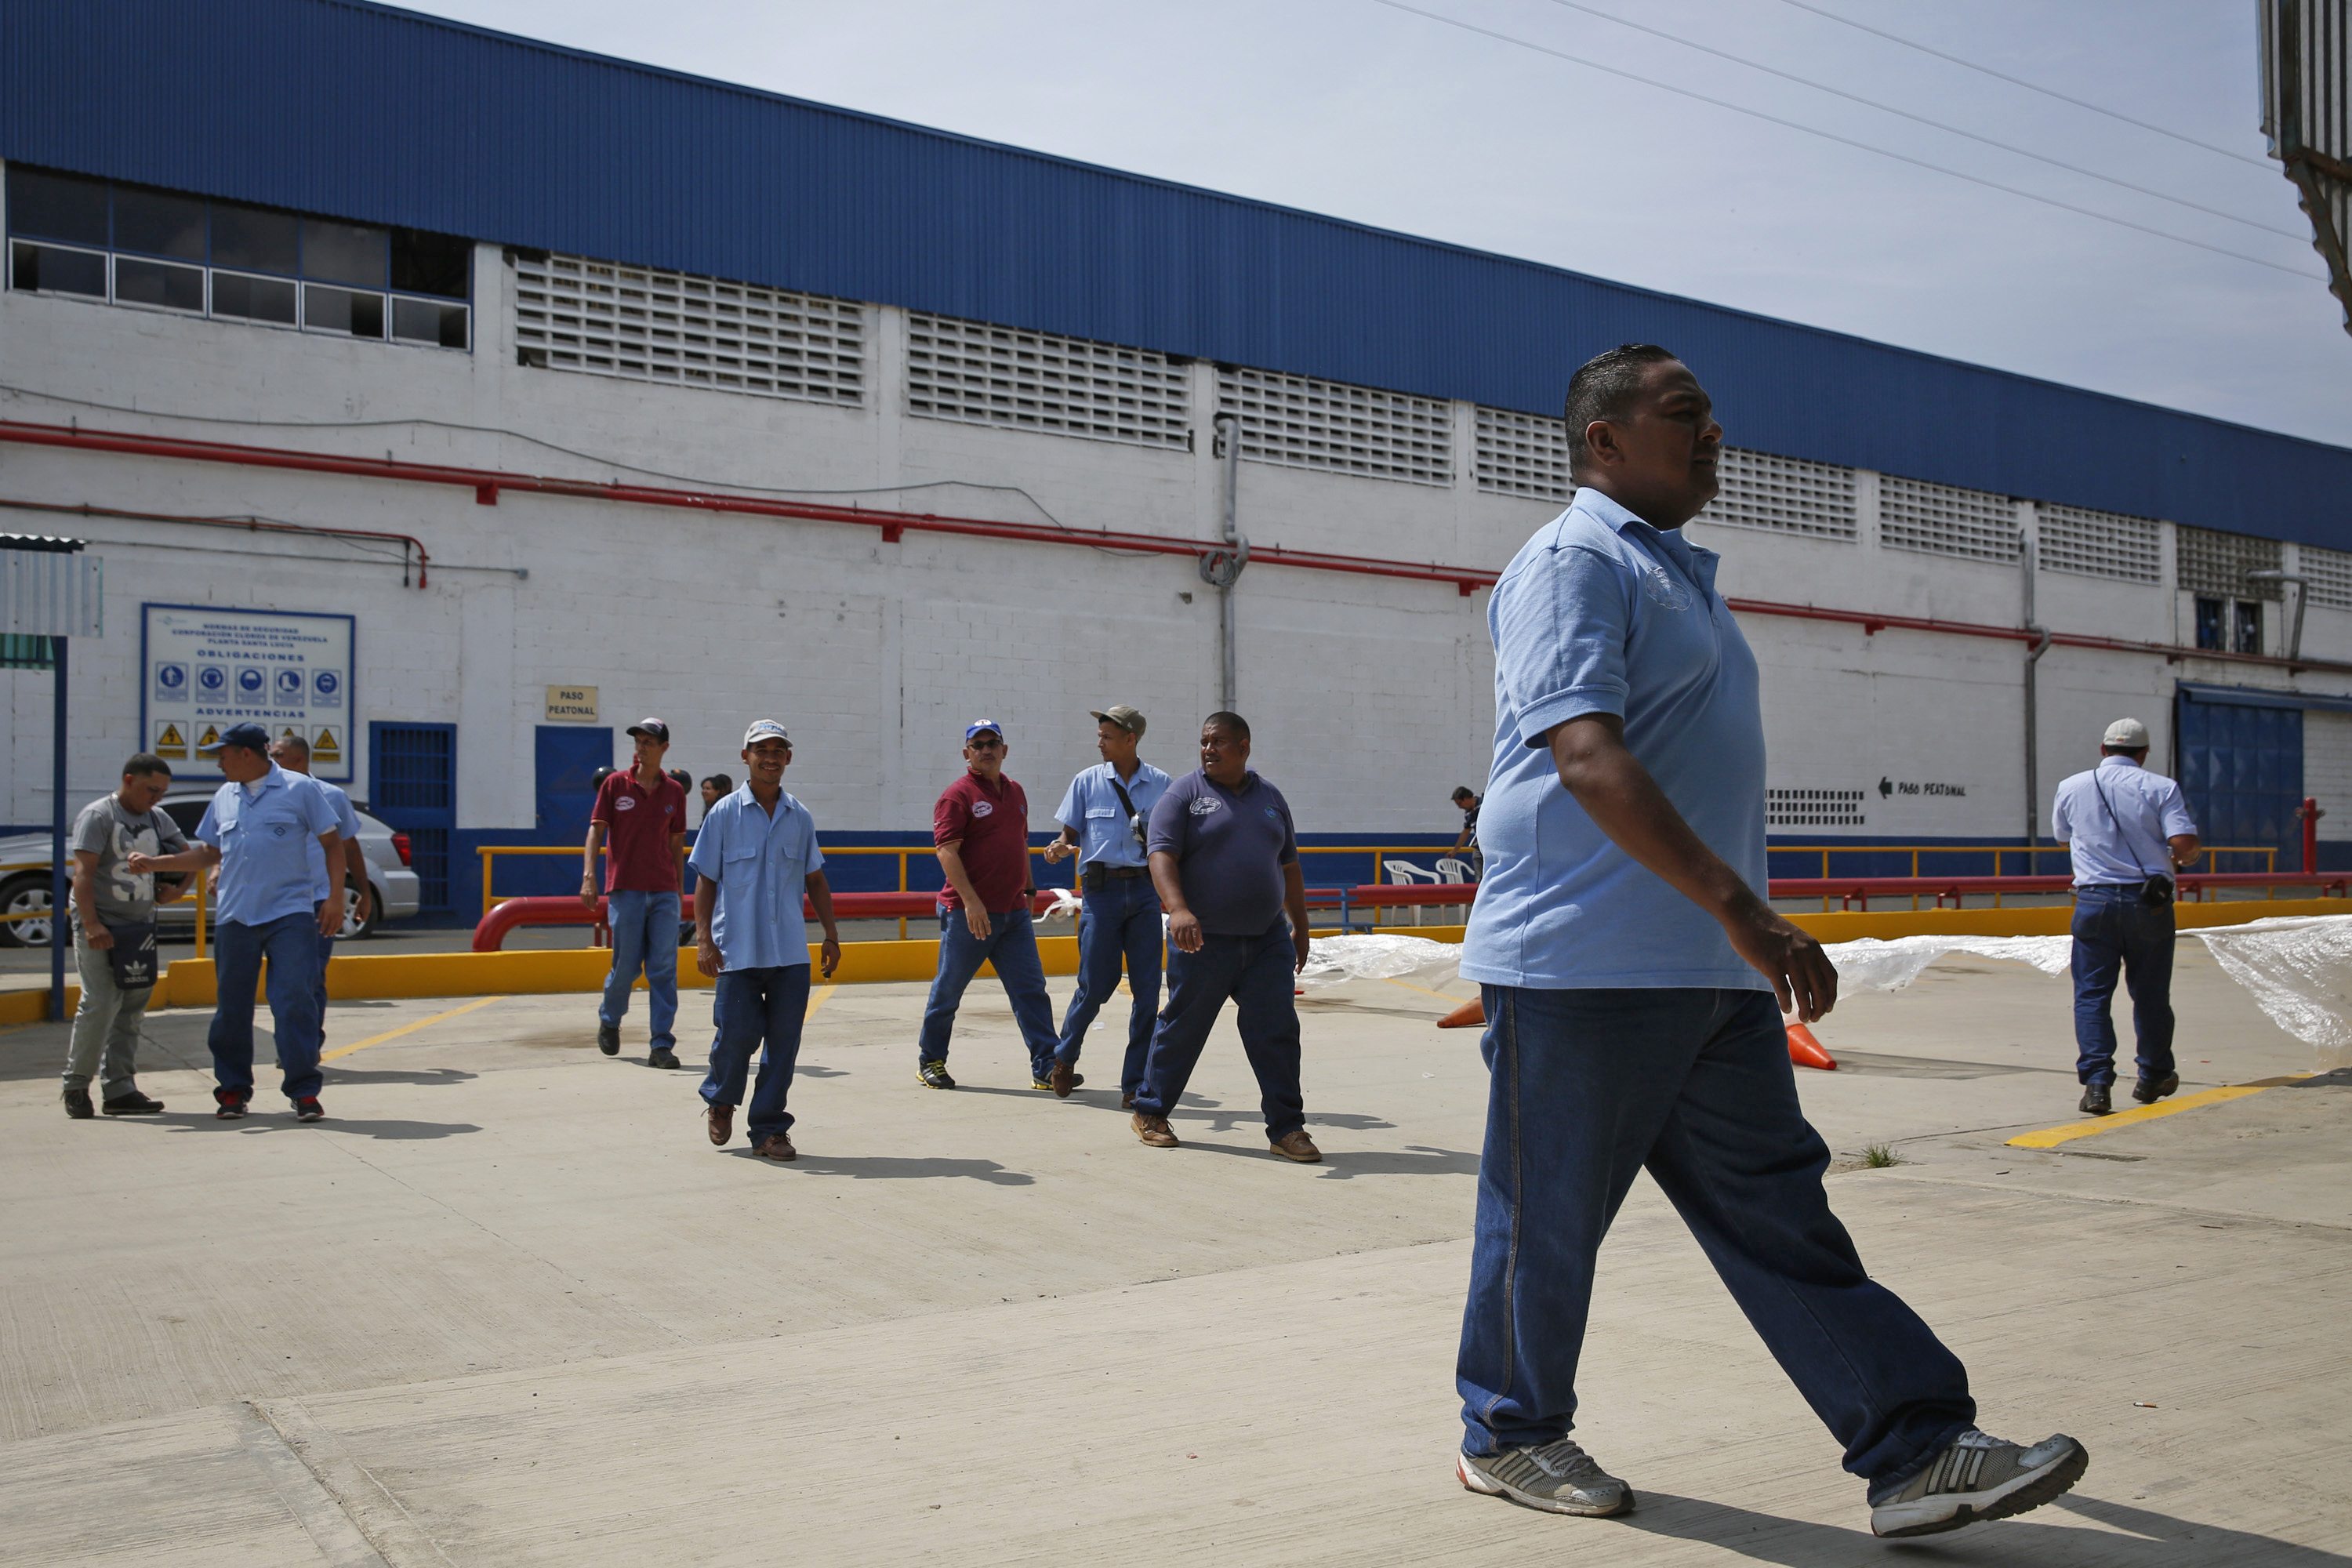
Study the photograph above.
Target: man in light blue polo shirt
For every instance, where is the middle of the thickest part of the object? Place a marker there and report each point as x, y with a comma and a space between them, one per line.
266, 829
1630, 965
1105, 814
755, 857
292, 752
2126, 829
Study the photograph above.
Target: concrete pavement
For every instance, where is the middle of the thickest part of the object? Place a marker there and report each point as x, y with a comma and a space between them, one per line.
507, 1306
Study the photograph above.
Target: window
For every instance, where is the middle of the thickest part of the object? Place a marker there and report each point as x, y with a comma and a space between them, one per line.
1304, 423
982, 374
2218, 564
2246, 628
2209, 629
2327, 576
1785, 495
609, 320
1522, 455
2229, 626
2101, 544
1944, 519
161, 250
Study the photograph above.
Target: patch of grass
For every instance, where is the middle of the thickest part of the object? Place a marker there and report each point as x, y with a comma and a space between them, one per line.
1878, 1156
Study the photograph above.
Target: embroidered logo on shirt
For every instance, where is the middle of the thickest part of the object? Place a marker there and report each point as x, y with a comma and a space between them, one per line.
1203, 804
277, 830
982, 808
1661, 589
625, 803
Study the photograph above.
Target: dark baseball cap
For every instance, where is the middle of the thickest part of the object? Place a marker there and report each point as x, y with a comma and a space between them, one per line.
652, 729
1124, 716
252, 737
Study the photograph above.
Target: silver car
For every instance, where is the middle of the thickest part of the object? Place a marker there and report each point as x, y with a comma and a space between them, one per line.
25, 887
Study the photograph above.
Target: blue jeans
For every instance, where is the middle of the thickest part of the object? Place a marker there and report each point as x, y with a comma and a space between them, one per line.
1120, 921
2114, 930
1257, 973
1012, 946
1589, 1086
318, 991
758, 1008
290, 943
645, 937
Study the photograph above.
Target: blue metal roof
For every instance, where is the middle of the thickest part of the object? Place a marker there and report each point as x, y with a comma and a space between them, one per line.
381, 115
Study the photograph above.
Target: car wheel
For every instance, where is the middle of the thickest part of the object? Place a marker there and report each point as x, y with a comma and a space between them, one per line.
24, 895
353, 927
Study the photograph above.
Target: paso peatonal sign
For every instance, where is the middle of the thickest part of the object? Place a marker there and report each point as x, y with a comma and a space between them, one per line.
571, 705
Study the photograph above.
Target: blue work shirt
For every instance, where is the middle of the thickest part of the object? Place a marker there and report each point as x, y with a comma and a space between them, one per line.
2120, 841
267, 834
1091, 805
762, 865
1231, 845
1601, 613
347, 822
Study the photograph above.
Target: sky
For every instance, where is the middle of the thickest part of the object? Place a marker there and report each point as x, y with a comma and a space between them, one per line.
1366, 111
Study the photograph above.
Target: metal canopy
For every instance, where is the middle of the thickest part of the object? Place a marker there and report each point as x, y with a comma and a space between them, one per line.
2307, 48
50, 588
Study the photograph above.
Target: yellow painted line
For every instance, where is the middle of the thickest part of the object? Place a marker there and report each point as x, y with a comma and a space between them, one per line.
1425, 991
818, 1000
408, 1028
2050, 1137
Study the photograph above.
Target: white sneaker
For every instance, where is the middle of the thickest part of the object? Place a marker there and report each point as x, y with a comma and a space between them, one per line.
1978, 1477
1558, 1476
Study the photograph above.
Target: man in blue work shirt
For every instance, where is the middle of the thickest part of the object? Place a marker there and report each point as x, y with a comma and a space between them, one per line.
266, 829
2126, 829
292, 752
1630, 964
1105, 814
753, 861
1225, 856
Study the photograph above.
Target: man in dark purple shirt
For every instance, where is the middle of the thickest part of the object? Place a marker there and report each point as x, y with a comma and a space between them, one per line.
1224, 859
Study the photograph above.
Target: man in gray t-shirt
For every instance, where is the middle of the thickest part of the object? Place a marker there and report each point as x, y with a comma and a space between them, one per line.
109, 905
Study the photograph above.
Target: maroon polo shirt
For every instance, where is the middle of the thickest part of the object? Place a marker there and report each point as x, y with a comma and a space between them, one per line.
638, 823
992, 821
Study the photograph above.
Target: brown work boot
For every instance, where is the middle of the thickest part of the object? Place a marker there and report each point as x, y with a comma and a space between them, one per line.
720, 1119
1066, 1078
776, 1146
1297, 1146
1153, 1130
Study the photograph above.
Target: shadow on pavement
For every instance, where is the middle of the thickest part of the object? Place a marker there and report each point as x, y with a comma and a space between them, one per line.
2037, 1539
890, 1168
269, 1121
339, 1076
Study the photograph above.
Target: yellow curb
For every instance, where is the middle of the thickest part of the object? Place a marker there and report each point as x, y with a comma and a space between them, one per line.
2050, 1137
407, 1028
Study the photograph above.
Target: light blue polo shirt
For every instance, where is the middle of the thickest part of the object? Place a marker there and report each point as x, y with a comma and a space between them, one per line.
1091, 805
2119, 840
1601, 613
762, 865
347, 822
267, 834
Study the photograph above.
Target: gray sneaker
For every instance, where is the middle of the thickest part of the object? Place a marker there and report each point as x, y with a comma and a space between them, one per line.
1558, 1476
1978, 1477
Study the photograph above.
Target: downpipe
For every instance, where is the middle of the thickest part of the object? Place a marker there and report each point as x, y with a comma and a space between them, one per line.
2038, 645
1221, 569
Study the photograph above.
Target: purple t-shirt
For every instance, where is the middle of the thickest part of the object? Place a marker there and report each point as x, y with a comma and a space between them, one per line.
1231, 845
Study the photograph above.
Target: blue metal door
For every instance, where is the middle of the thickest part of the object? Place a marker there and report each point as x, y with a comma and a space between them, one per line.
413, 774
2241, 768
569, 756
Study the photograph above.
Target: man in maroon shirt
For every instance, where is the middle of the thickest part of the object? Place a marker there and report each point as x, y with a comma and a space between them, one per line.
640, 822
980, 825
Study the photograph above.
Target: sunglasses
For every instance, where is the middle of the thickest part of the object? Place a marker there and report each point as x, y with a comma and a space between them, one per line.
988, 744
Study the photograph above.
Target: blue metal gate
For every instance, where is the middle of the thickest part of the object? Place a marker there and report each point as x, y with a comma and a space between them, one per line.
413, 786
2241, 766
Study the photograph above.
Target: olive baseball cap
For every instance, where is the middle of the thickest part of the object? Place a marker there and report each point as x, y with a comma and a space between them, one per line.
1124, 716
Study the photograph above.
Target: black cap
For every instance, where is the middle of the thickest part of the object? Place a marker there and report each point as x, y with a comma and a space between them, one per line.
253, 737
652, 729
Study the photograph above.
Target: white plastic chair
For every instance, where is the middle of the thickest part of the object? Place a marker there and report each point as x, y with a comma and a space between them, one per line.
1404, 873
1450, 869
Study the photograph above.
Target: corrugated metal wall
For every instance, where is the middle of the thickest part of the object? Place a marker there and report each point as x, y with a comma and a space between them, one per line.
383, 115
2306, 51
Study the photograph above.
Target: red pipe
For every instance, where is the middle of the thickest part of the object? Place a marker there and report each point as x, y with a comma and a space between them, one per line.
485, 484
407, 541
492, 931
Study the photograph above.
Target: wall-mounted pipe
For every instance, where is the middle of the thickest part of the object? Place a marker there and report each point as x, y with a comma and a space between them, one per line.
1222, 569
487, 484
407, 541
2033, 652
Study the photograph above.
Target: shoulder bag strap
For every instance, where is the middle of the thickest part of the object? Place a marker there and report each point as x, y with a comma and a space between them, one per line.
2121, 837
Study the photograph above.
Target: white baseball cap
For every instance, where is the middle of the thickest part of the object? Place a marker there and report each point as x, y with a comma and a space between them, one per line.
2129, 733
765, 729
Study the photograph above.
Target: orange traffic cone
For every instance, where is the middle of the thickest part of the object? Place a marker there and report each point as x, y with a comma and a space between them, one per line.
1471, 1014
1806, 1051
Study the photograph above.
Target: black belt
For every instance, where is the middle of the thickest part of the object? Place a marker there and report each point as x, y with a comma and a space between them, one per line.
1095, 875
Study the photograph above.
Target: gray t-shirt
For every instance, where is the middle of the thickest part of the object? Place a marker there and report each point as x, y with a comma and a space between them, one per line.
1231, 845
111, 833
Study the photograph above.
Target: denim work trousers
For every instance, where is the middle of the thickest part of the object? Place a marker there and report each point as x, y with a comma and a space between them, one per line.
105, 1040
1589, 1086
1120, 920
1257, 973
1012, 946
290, 943
2114, 930
758, 1008
318, 991
645, 937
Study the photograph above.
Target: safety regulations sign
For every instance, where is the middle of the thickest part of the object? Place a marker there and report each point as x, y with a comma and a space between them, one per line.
204, 668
